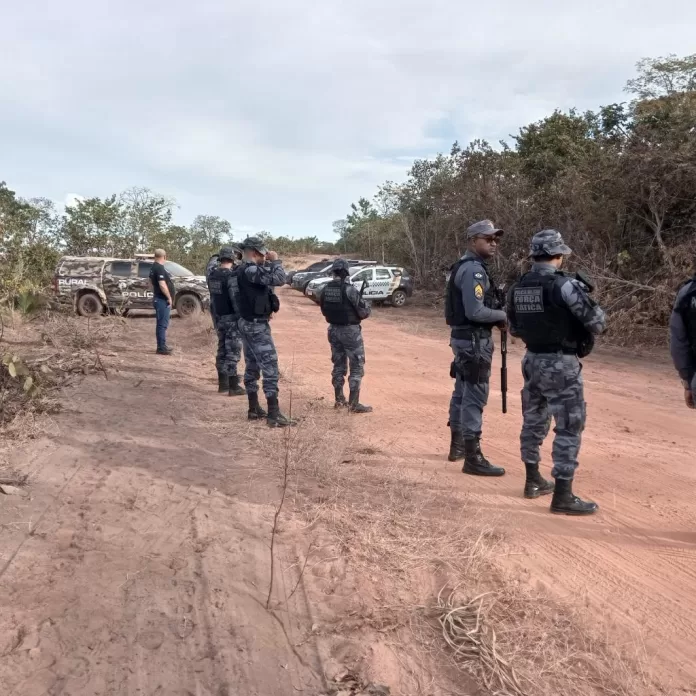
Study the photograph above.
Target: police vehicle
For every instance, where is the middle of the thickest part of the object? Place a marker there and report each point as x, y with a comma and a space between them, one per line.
95, 284
301, 279
378, 283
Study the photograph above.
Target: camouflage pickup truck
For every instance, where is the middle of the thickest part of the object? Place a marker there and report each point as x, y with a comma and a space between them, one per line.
94, 285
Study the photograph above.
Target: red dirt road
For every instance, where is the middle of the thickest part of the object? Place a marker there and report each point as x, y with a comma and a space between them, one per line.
139, 563
635, 561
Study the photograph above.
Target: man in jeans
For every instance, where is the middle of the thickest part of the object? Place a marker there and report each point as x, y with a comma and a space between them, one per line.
163, 290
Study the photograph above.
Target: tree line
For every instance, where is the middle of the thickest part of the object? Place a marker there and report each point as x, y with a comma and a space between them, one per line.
34, 234
619, 183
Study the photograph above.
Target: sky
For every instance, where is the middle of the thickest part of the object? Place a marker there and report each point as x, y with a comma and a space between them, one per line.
277, 114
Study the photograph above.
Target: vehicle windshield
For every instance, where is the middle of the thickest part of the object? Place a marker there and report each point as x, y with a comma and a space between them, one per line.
176, 270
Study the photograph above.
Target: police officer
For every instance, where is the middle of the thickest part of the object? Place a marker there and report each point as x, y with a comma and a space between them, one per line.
471, 310
226, 319
253, 283
556, 318
682, 338
213, 263
343, 308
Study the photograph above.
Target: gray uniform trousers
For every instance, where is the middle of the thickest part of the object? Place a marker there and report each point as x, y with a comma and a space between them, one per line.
347, 348
229, 345
472, 367
260, 357
553, 387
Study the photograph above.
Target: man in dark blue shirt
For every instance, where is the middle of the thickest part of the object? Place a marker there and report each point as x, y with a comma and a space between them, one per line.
163, 290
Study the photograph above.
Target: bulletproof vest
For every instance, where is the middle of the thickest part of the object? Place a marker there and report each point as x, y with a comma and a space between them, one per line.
255, 301
218, 280
335, 305
543, 321
687, 310
454, 305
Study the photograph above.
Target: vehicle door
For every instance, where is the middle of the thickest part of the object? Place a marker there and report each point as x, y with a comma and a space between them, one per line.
382, 286
117, 279
141, 289
367, 275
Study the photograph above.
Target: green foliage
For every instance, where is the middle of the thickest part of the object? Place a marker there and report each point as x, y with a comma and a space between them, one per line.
18, 370
619, 183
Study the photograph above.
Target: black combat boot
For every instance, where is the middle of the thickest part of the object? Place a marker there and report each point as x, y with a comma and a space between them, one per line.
223, 382
535, 484
475, 463
340, 398
354, 405
565, 503
234, 388
255, 411
275, 418
456, 447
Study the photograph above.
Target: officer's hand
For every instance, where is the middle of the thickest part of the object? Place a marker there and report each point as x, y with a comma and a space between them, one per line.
271, 256
689, 398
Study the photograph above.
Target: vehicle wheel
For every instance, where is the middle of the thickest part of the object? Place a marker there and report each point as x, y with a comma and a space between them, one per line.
188, 305
89, 305
398, 298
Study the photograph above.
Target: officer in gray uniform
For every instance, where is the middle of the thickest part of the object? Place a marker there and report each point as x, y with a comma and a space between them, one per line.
343, 308
682, 338
472, 310
213, 263
253, 284
557, 319
226, 319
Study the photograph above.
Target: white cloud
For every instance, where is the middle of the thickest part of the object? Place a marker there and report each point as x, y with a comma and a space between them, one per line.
277, 115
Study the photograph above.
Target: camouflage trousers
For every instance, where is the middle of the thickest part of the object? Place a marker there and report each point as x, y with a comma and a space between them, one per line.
553, 387
229, 349
347, 348
472, 372
260, 357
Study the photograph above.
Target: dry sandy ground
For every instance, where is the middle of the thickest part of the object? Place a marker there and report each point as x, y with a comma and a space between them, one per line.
139, 562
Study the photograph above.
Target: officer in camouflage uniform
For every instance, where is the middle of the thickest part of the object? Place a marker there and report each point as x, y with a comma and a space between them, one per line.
260, 271
556, 318
226, 320
472, 310
213, 263
343, 308
682, 338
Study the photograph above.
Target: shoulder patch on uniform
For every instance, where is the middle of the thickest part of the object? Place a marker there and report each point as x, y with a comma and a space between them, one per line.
478, 275
478, 291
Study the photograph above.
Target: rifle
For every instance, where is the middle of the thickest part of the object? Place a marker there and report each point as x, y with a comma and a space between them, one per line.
502, 297
503, 368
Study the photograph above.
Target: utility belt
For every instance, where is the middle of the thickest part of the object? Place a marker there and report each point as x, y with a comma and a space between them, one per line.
558, 350
471, 333
257, 320
232, 317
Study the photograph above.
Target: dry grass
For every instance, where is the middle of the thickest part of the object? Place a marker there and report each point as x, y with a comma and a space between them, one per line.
401, 537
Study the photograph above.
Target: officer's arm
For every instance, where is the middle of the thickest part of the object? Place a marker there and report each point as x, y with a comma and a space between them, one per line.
231, 292
589, 313
361, 307
271, 274
472, 282
512, 317
679, 341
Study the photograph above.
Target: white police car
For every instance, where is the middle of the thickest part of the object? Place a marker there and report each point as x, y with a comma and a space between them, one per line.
378, 283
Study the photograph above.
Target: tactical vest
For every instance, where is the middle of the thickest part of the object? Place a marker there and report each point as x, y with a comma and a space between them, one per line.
255, 301
542, 320
455, 315
687, 311
335, 305
218, 280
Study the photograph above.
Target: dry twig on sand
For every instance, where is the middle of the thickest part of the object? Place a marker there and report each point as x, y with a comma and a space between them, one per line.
466, 630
